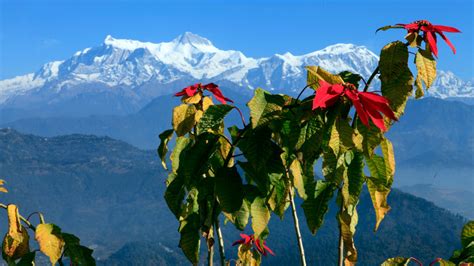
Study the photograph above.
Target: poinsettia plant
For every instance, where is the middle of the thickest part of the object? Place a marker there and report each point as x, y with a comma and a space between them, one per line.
249, 173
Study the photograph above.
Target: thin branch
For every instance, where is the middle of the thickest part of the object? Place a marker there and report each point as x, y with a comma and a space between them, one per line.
341, 239
241, 115
417, 261
371, 78
341, 248
40, 216
297, 227
220, 240
305, 87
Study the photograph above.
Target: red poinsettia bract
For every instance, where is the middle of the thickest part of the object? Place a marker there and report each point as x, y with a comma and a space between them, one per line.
368, 105
213, 88
429, 33
259, 244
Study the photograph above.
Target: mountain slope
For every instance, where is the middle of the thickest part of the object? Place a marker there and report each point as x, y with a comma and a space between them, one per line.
111, 194
121, 76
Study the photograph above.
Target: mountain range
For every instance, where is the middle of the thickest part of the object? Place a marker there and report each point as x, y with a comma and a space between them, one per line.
121, 76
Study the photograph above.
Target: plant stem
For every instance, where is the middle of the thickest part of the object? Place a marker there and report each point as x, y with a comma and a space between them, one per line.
32, 227
366, 88
297, 227
341, 248
210, 256
341, 239
210, 247
220, 240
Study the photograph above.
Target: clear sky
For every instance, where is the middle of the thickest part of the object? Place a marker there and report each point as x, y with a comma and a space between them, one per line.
35, 32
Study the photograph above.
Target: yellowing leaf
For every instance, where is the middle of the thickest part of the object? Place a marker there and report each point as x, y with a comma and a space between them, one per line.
196, 98
16, 241
379, 200
248, 256
298, 180
260, 215
50, 241
206, 102
398, 261
315, 74
2, 188
183, 119
348, 219
388, 156
426, 66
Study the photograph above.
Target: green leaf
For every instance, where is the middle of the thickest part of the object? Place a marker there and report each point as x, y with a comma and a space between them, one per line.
50, 241
165, 137
183, 119
195, 160
264, 107
229, 189
181, 144
397, 261
310, 141
28, 259
350, 77
467, 235
379, 185
396, 77
384, 28
79, 255
190, 239
260, 215
371, 138
355, 180
213, 117
240, 218
174, 195
278, 200
316, 205
263, 158
315, 74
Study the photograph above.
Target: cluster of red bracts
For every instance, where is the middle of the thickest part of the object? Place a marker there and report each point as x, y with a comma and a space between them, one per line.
211, 87
259, 244
367, 104
430, 32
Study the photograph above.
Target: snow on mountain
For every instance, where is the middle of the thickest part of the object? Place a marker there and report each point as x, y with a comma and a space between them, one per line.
132, 73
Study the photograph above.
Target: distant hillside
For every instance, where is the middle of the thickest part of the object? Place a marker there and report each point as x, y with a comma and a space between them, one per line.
111, 194
433, 141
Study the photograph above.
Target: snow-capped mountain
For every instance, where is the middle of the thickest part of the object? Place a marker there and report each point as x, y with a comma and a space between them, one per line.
121, 76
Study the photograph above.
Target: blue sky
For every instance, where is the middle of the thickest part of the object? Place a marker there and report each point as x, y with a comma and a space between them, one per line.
35, 32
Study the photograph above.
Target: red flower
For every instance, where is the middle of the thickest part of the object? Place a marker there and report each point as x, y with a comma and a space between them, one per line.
367, 104
259, 244
429, 33
213, 88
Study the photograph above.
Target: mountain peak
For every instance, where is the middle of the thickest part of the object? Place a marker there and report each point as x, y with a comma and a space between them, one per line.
191, 38
126, 44
342, 48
